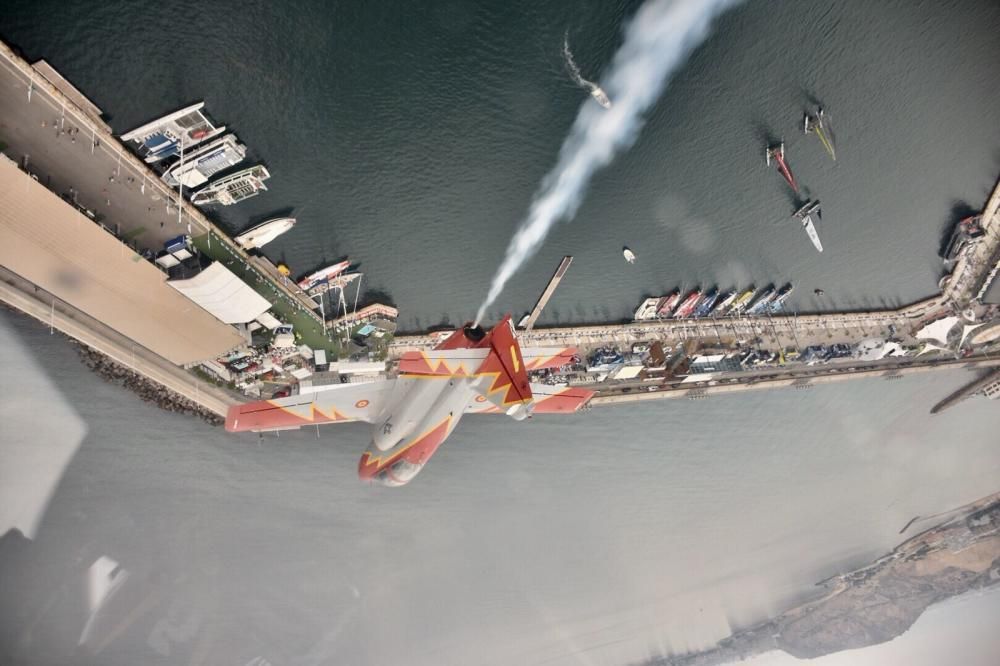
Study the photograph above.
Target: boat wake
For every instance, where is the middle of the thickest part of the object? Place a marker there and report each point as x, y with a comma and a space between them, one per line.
574, 72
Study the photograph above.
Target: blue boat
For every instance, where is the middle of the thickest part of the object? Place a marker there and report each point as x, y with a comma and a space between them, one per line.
707, 303
778, 304
763, 301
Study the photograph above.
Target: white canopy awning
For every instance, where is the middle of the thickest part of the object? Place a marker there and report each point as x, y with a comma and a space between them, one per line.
220, 292
937, 330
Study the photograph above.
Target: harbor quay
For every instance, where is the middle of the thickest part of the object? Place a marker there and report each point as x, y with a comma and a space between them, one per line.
82, 218
696, 357
82, 215
56, 135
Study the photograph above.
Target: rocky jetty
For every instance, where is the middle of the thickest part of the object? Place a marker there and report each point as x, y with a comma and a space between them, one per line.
143, 387
878, 602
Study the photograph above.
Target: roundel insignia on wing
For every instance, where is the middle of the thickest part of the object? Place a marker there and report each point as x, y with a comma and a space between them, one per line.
361, 404
480, 398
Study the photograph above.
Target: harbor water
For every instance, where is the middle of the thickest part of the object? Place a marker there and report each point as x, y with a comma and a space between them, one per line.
411, 137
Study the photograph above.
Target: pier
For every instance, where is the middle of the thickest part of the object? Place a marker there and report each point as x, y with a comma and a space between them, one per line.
55, 134
550, 289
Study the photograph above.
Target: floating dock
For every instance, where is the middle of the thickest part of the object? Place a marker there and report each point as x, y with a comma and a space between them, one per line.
549, 290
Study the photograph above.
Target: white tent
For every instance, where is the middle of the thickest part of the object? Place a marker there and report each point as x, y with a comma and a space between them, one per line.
968, 328
224, 295
937, 330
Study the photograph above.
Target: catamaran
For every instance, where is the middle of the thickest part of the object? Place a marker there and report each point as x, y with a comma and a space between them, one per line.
233, 189
196, 168
805, 214
777, 153
819, 125
264, 233
166, 136
323, 274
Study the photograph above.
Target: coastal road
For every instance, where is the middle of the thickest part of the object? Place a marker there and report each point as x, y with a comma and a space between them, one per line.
800, 378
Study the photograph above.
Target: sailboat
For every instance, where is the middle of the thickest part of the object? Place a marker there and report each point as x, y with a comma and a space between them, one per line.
805, 213
777, 154
819, 125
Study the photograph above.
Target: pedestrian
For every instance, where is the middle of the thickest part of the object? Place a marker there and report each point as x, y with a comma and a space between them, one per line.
161, 225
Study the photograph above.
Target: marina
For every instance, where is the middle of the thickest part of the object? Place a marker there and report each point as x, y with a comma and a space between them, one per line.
702, 318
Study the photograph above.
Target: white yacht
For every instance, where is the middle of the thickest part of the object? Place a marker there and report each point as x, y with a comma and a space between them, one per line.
264, 233
196, 168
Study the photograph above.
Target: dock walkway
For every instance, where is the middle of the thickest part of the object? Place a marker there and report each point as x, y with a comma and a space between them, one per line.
76, 155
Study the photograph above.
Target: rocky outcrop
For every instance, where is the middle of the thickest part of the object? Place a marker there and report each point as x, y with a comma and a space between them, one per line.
143, 387
876, 603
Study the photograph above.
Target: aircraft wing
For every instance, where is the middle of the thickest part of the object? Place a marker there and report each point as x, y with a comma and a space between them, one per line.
448, 362
538, 358
337, 404
548, 399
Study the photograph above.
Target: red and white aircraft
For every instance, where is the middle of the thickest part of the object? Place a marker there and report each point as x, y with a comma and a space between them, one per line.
471, 371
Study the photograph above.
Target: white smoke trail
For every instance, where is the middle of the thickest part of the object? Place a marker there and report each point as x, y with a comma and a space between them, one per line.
657, 41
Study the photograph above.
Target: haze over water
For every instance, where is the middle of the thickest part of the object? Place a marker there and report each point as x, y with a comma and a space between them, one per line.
412, 137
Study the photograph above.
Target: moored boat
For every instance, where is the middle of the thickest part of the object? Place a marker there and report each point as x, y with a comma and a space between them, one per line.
234, 188
166, 136
323, 274
669, 303
778, 302
647, 309
707, 302
688, 305
763, 300
195, 169
726, 300
743, 300
264, 233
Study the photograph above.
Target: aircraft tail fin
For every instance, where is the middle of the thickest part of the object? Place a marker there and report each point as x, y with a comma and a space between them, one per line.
503, 376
